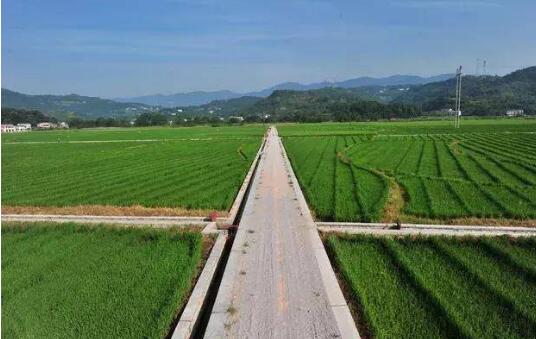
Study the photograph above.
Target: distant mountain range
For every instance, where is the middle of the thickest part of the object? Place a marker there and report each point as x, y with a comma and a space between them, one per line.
204, 97
181, 99
404, 95
65, 106
481, 95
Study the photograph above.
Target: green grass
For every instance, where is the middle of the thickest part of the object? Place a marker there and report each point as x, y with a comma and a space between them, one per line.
440, 287
75, 281
168, 169
486, 169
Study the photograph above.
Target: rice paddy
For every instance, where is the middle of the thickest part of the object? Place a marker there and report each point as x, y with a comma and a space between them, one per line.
440, 287
482, 171
189, 168
76, 281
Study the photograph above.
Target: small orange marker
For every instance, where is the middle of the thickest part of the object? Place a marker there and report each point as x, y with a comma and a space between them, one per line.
213, 216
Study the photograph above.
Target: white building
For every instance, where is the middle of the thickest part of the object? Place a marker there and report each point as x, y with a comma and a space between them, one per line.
515, 112
24, 127
63, 124
44, 125
8, 128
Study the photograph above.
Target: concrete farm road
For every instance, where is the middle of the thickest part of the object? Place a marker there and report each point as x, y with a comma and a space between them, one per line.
278, 282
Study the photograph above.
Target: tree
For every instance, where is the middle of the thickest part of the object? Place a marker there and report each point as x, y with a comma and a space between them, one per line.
151, 119
18, 116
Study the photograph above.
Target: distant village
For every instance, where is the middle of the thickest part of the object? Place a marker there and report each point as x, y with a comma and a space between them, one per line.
25, 127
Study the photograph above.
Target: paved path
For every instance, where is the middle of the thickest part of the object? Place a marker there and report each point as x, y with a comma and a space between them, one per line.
406, 229
278, 282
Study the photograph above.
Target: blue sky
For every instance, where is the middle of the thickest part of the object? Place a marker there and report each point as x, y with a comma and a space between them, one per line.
125, 48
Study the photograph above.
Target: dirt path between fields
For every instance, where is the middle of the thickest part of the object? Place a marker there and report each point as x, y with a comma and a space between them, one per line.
275, 283
109, 210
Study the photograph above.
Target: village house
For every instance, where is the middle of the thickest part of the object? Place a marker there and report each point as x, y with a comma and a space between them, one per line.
8, 128
236, 118
24, 127
515, 113
44, 125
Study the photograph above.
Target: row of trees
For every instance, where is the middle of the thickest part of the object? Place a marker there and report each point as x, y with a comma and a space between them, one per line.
151, 119
17, 116
159, 119
20, 116
329, 104
372, 110
99, 122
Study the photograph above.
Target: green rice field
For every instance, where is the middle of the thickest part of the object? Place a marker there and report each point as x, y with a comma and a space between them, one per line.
144, 133
76, 281
439, 287
192, 168
353, 172
408, 127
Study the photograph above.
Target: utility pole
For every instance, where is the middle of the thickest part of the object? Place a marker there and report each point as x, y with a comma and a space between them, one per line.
458, 111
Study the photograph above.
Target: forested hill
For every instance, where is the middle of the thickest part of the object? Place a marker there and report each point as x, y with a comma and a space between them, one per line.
327, 104
18, 116
63, 106
482, 95
201, 98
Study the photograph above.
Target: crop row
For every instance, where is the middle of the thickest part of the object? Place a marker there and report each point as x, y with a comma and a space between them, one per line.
441, 176
407, 127
200, 174
69, 281
145, 133
440, 287
336, 188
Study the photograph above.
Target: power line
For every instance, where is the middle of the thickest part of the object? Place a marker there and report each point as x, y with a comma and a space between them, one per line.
458, 111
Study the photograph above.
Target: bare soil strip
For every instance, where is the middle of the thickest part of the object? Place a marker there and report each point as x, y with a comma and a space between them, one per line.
395, 202
106, 210
116, 220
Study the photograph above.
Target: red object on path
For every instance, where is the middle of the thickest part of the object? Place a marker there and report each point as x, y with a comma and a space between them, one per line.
213, 216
